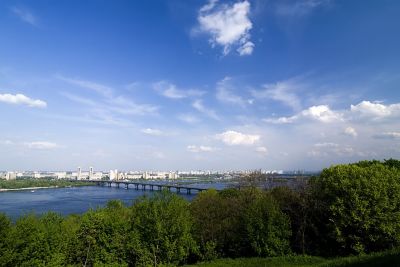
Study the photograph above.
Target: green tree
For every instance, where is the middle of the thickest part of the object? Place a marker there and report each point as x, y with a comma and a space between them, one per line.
160, 230
357, 207
102, 234
267, 228
296, 205
246, 222
5, 227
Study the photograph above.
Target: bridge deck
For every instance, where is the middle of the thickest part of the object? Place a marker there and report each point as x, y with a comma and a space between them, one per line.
149, 186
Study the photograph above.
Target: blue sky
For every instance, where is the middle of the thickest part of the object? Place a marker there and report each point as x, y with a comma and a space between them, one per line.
219, 85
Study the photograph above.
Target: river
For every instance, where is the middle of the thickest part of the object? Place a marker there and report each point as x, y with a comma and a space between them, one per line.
66, 200
77, 200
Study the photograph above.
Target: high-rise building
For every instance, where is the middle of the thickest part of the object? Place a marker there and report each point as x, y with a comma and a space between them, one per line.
78, 174
90, 172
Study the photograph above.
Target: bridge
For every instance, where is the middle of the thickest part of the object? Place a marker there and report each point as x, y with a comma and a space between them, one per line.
147, 186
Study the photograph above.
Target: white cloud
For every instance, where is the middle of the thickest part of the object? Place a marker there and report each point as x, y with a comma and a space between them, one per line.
20, 99
118, 104
262, 150
282, 92
328, 149
198, 105
321, 113
197, 149
6, 142
228, 25
126, 106
299, 8
350, 131
388, 135
150, 131
171, 91
25, 15
326, 144
79, 99
375, 110
41, 145
98, 88
235, 138
158, 155
188, 118
224, 94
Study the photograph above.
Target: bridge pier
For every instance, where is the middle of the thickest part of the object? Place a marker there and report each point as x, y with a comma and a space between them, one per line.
151, 187
188, 191
118, 185
109, 184
178, 189
136, 186
126, 186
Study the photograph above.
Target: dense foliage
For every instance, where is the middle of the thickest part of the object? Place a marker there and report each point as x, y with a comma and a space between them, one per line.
28, 183
347, 209
357, 207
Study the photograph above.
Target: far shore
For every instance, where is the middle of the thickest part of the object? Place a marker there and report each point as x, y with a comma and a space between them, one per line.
27, 188
34, 188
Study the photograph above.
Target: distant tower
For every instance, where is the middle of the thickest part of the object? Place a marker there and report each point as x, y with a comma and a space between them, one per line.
90, 172
78, 175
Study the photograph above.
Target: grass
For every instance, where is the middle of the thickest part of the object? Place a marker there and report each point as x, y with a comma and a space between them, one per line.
388, 258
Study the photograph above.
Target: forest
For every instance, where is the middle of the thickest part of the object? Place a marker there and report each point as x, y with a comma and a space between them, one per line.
349, 209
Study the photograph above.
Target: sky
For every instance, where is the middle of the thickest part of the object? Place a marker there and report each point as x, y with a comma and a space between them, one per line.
201, 84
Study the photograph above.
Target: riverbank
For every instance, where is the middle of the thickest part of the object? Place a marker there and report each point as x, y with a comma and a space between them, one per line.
31, 184
29, 188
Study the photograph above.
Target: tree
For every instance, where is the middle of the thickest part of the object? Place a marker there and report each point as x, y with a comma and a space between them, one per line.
160, 231
5, 227
233, 223
357, 207
102, 235
267, 228
296, 205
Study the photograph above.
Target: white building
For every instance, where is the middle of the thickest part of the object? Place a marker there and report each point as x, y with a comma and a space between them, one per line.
11, 176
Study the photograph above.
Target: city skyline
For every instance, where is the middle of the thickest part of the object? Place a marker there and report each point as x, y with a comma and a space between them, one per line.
198, 85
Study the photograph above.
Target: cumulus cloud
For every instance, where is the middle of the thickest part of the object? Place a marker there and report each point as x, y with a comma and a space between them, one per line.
150, 131
235, 138
350, 131
280, 91
321, 113
25, 15
362, 112
388, 135
198, 105
375, 110
197, 149
20, 99
228, 25
41, 145
170, 90
225, 94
